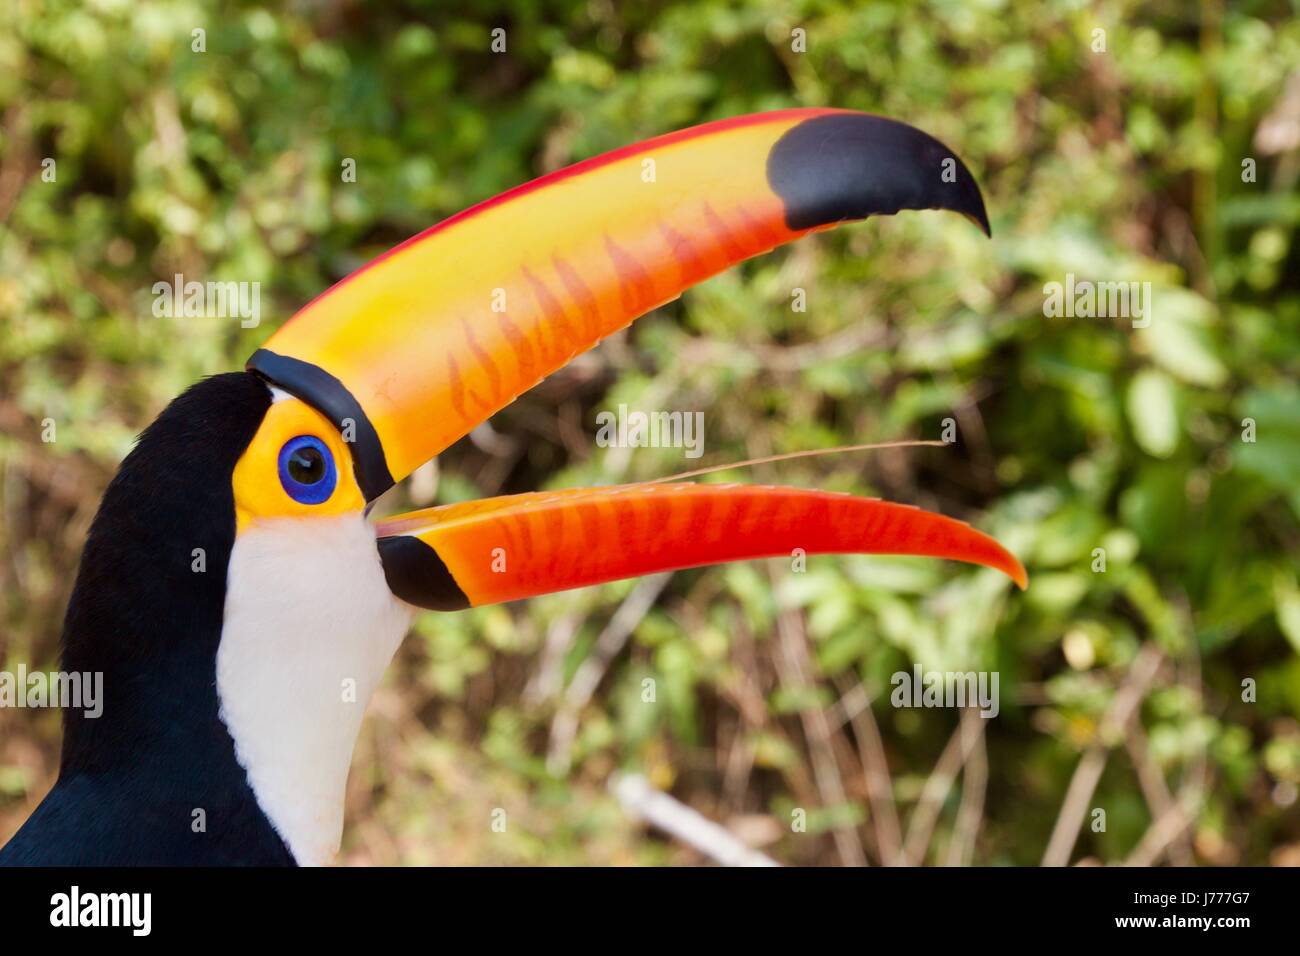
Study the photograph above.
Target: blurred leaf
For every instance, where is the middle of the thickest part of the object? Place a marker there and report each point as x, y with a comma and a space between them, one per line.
1179, 337
1153, 410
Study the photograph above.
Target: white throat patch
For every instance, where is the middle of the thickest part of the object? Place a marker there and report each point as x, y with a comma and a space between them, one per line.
310, 625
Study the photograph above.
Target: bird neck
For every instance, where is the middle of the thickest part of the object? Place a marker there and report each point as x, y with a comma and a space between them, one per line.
145, 617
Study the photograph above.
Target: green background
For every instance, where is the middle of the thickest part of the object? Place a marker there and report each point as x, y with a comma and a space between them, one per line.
1075, 434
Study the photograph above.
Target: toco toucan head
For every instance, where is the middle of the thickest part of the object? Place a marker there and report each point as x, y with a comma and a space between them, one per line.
280, 640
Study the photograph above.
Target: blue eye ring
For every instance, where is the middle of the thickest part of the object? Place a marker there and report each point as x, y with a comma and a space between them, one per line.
307, 470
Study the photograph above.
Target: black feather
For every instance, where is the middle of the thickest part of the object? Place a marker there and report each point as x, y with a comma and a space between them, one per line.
132, 781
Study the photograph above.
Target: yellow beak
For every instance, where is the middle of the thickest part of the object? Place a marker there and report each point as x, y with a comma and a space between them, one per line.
414, 350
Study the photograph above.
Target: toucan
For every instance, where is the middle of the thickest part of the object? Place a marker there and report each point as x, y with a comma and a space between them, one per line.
234, 687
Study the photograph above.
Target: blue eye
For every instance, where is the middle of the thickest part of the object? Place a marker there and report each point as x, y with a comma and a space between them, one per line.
307, 470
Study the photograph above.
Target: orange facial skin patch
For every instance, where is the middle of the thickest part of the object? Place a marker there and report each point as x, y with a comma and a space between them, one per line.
259, 494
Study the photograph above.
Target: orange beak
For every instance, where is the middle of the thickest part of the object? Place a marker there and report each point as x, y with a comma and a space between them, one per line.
414, 350
502, 549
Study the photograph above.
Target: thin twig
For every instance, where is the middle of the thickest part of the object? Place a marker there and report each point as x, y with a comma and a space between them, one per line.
1089, 769
752, 713
564, 726
797, 672
1171, 826
920, 825
549, 676
809, 453
672, 816
974, 783
1167, 829
1160, 800
856, 706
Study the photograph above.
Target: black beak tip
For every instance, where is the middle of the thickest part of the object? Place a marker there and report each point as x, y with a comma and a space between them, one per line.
980, 216
844, 166
416, 574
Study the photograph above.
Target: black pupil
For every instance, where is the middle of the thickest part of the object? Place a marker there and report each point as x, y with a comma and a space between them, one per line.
307, 465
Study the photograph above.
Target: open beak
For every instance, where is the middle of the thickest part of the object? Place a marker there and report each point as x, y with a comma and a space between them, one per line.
415, 349
502, 549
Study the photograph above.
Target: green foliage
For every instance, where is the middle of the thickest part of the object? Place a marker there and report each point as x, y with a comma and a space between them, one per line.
1175, 448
